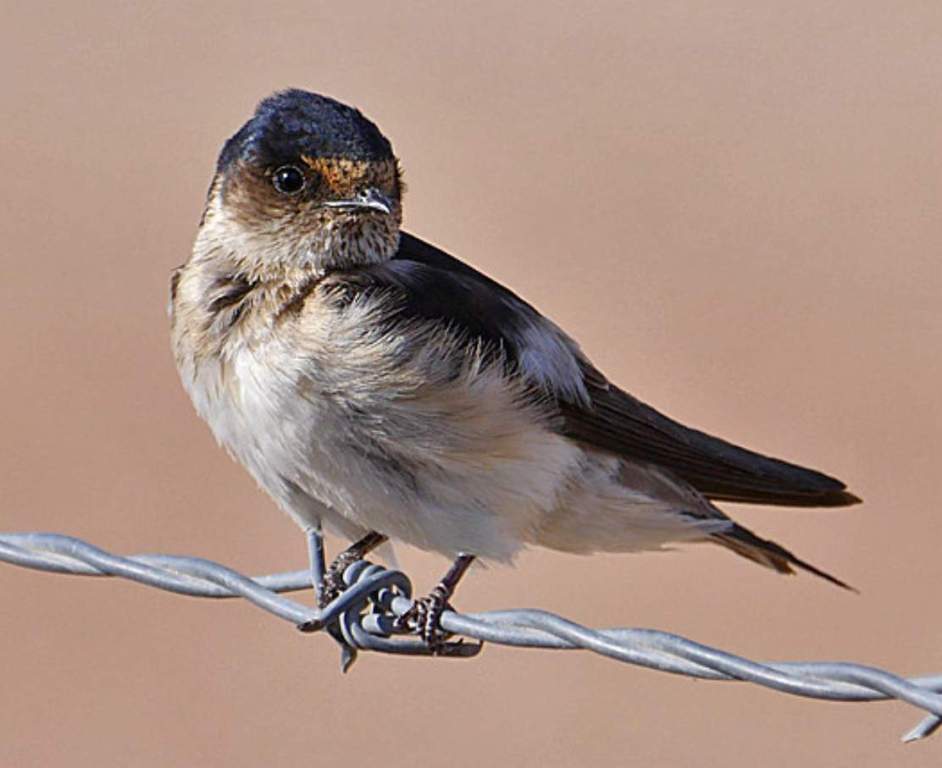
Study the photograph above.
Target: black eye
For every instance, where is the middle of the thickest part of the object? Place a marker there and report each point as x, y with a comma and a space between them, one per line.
288, 180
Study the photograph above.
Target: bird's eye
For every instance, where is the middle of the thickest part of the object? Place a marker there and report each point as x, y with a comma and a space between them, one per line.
288, 180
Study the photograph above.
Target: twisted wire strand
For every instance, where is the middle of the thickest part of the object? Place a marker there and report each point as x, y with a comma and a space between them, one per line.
363, 616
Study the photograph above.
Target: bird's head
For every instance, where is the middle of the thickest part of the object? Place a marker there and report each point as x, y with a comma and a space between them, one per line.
306, 183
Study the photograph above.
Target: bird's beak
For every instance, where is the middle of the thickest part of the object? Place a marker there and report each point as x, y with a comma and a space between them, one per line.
369, 199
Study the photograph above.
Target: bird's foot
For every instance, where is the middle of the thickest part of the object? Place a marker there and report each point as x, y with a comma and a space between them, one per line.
424, 616
333, 585
423, 619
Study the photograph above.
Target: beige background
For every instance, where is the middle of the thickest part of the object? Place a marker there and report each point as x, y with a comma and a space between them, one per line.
733, 205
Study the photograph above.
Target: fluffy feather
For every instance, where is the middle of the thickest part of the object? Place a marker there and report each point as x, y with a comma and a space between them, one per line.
370, 381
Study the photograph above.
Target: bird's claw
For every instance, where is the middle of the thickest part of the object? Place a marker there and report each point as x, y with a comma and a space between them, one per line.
424, 619
333, 584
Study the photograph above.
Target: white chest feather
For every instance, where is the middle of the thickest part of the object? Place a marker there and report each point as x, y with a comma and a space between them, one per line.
417, 434
411, 439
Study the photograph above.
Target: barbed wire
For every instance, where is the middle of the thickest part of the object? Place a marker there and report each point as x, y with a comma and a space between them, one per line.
363, 618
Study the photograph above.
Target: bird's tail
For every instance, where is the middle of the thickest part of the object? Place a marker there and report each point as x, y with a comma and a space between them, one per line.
744, 542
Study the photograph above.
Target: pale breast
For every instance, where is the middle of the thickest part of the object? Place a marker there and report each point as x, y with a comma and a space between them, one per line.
408, 431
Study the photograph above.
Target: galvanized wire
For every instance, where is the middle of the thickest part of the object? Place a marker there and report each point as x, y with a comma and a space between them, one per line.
363, 616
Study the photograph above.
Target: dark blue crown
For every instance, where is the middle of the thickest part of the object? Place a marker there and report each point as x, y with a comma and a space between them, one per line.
292, 123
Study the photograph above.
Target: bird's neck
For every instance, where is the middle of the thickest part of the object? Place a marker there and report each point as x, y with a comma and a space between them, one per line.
239, 278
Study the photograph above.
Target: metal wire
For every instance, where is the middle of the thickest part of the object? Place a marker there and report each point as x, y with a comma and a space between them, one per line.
363, 616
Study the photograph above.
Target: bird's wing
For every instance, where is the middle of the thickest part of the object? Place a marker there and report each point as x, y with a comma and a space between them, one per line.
620, 423
586, 406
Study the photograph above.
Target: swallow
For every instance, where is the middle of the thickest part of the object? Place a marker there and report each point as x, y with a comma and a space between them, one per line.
379, 387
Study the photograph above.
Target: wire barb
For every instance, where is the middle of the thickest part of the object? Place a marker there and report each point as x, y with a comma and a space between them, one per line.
363, 618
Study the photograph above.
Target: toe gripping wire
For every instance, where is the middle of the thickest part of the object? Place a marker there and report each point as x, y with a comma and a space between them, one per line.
363, 617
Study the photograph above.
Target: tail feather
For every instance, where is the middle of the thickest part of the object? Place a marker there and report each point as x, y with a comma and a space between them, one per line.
744, 542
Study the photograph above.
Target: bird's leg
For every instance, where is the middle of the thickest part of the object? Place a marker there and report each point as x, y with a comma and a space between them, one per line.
333, 578
315, 551
425, 613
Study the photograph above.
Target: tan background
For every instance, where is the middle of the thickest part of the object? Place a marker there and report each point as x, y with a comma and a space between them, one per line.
733, 205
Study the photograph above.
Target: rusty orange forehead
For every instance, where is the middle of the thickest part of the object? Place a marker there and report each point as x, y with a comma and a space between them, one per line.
345, 177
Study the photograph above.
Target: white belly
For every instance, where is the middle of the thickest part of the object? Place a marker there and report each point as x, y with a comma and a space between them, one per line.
453, 464
459, 468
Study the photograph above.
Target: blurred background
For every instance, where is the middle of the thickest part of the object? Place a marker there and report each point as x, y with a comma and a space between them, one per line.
734, 206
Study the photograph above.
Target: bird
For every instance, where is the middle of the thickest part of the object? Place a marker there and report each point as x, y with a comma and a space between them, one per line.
377, 386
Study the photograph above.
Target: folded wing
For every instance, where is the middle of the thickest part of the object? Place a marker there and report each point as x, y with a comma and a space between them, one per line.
585, 406
620, 423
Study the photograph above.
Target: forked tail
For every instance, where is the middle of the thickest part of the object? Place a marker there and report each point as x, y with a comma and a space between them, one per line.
744, 542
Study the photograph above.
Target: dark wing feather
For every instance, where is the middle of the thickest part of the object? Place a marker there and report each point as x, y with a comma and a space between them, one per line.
439, 286
434, 285
417, 290
620, 423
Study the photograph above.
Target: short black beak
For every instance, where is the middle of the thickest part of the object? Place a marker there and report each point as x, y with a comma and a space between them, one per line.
369, 199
